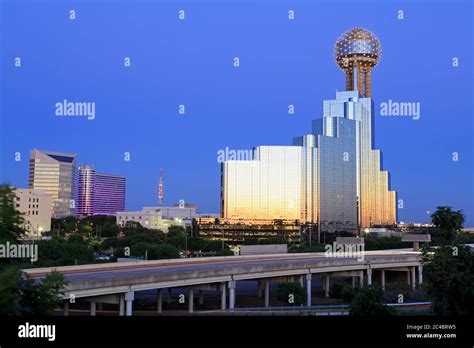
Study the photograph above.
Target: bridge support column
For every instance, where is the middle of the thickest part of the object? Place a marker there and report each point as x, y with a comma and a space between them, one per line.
93, 309
361, 278
223, 296
66, 308
122, 305
129, 297
302, 281
353, 282
408, 277
231, 294
201, 297
383, 279
308, 289
420, 275
159, 301
326, 285
191, 301
413, 278
259, 293
369, 276
170, 295
267, 293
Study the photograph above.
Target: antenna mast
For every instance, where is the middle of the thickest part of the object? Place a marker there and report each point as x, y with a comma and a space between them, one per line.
160, 189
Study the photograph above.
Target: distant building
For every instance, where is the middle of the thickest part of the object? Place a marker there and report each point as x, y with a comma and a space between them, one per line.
147, 217
468, 230
53, 173
185, 212
237, 231
36, 208
158, 218
98, 193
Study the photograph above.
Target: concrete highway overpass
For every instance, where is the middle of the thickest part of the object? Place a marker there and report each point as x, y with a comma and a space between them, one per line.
117, 282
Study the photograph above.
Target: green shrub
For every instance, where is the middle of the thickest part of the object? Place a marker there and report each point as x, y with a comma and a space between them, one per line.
369, 301
291, 294
225, 252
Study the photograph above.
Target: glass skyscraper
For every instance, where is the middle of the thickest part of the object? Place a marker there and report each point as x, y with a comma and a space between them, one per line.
332, 176
98, 193
53, 173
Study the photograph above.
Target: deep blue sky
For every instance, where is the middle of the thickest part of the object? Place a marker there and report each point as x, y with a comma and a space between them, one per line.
191, 62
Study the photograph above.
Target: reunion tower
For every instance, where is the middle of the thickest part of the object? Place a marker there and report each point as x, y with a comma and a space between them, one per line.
356, 52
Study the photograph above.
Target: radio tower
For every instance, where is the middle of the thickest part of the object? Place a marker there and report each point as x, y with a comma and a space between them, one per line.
160, 189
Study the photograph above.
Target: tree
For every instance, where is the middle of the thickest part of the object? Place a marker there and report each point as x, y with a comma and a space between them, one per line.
76, 239
381, 243
304, 247
449, 222
41, 297
109, 230
85, 229
291, 293
174, 231
368, 301
163, 251
140, 249
94, 243
196, 244
22, 295
57, 252
449, 272
9, 296
66, 225
10, 218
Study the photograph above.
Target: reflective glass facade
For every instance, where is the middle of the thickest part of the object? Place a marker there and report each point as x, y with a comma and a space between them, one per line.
98, 193
376, 201
332, 176
53, 173
267, 187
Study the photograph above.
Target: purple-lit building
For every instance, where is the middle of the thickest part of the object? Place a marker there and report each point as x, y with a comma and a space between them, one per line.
98, 193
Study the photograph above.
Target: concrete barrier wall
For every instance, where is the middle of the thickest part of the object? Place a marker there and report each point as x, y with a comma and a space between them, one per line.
416, 237
350, 240
263, 249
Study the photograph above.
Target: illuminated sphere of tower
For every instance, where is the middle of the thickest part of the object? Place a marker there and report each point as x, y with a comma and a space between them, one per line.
357, 47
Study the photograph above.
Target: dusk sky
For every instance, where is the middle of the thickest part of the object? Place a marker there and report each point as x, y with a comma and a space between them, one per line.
190, 62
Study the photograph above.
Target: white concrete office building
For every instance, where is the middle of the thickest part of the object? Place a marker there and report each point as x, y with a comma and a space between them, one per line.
36, 207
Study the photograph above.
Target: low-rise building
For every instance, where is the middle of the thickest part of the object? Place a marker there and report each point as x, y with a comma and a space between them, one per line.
158, 218
36, 209
185, 212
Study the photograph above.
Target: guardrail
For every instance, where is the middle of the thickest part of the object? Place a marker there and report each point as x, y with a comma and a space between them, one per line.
322, 307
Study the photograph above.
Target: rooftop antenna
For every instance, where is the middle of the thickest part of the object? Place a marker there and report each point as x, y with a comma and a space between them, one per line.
160, 189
